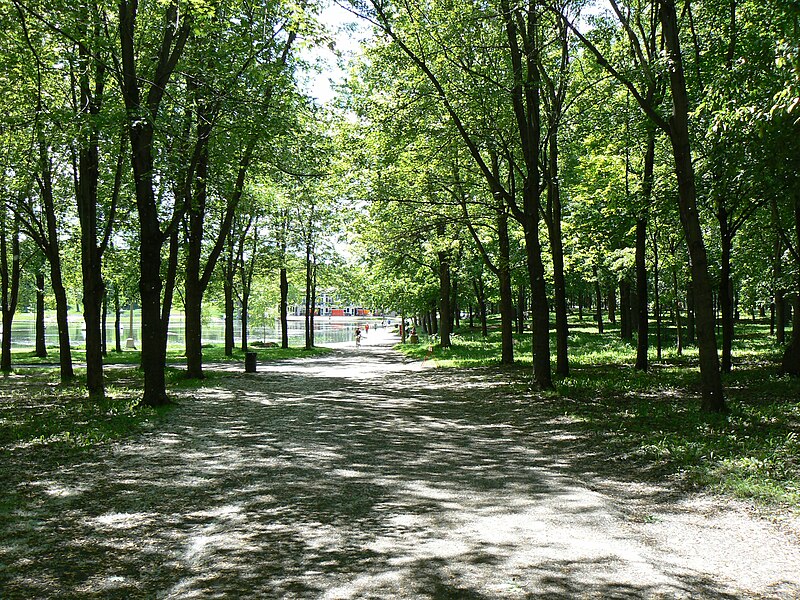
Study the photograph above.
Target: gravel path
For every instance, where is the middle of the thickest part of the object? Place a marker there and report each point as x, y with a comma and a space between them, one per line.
363, 475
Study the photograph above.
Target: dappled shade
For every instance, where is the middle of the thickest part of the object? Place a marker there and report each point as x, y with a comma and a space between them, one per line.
355, 475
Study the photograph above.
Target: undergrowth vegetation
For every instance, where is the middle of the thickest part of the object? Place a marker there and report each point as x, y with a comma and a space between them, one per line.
651, 422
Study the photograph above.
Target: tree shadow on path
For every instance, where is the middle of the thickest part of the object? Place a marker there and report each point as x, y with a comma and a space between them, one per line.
355, 475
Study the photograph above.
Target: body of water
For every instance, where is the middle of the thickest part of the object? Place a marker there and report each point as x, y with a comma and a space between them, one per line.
326, 330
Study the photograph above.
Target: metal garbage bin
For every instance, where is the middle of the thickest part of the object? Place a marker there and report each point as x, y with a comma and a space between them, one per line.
250, 362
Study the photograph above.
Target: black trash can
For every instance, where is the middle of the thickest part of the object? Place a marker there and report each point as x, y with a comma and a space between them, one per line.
250, 362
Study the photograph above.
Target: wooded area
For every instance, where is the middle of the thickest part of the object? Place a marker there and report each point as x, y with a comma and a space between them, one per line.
636, 160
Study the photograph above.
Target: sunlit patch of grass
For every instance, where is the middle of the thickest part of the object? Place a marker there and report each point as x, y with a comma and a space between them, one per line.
653, 420
39, 410
211, 353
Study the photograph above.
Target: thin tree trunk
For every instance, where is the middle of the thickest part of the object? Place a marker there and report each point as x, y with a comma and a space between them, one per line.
642, 342
41, 342
284, 308
105, 323
557, 252
725, 295
308, 297
506, 301
598, 299
445, 310
777, 275
10, 275
228, 275
612, 304
679, 336
117, 321
626, 330
657, 294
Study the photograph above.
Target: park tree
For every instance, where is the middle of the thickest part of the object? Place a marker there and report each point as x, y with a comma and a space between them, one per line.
676, 128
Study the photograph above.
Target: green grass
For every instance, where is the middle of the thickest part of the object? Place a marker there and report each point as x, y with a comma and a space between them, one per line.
37, 409
653, 421
212, 353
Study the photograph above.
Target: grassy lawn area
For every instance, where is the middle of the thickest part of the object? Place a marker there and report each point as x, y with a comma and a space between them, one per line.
212, 353
652, 421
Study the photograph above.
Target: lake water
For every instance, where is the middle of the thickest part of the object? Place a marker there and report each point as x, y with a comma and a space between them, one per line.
326, 330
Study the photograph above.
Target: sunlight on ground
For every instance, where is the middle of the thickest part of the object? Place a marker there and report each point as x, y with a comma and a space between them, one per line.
361, 475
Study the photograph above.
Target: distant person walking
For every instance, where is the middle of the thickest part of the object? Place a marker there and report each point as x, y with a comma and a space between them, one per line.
358, 337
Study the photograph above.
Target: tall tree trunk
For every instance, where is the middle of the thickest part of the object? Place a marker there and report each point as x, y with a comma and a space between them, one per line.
642, 341
455, 311
690, 315
557, 252
710, 380
790, 362
142, 132
195, 223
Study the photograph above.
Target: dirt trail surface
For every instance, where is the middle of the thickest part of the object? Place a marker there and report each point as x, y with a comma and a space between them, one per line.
362, 475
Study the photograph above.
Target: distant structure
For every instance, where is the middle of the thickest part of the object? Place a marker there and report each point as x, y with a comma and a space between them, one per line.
328, 305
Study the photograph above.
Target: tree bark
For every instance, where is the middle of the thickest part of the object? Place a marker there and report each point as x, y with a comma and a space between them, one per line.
10, 275
725, 292
245, 317
677, 308
598, 299
104, 327
117, 321
557, 252
642, 342
41, 342
506, 301
141, 128
779, 302
657, 294
710, 380
612, 305
228, 274
480, 299
626, 330
284, 308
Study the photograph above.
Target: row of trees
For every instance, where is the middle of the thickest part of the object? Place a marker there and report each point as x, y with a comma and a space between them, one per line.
650, 147
173, 138
546, 153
